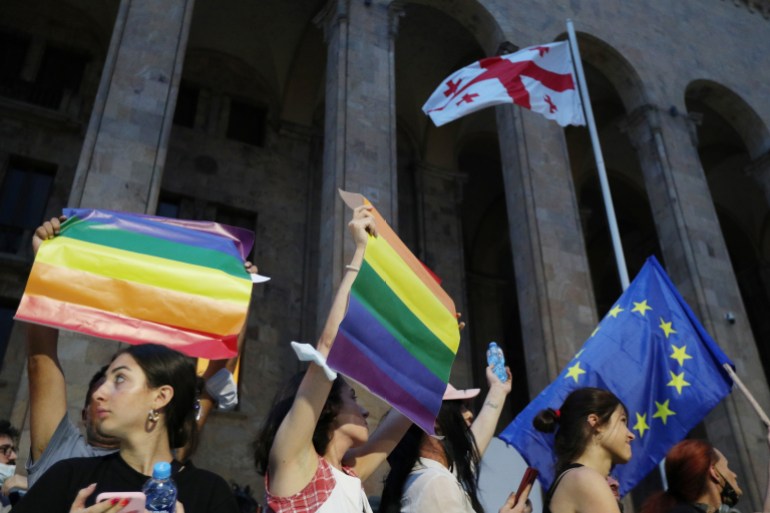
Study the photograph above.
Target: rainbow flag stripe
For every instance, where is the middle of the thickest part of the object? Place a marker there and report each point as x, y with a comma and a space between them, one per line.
399, 337
138, 279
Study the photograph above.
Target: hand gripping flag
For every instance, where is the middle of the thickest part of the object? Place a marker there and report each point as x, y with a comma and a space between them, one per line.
399, 336
539, 78
652, 352
140, 279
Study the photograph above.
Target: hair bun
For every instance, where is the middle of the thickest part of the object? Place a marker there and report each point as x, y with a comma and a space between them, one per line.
546, 420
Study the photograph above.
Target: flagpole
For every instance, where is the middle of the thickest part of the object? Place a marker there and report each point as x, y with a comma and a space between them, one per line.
754, 403
589, 113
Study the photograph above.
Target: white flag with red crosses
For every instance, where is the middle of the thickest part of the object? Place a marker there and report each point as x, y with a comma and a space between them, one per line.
539, 78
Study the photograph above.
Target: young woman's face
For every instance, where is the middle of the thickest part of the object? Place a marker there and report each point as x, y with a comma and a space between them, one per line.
616, 437
351, 418
123, 400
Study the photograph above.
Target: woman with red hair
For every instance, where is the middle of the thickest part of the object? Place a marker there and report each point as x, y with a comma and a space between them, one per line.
699, 480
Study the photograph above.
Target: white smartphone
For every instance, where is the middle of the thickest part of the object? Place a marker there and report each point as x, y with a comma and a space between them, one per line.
135, 504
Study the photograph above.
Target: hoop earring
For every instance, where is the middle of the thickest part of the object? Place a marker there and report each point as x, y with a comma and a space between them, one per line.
153, 415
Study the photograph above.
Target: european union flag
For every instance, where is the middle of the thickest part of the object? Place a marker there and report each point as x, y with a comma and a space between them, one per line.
652, 352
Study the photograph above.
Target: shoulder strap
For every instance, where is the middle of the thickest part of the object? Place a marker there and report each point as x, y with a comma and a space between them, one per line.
558, 480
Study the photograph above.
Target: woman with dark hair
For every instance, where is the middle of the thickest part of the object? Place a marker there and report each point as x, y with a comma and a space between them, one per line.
314, 448
699, 480
441, 473
148, 403
592, 435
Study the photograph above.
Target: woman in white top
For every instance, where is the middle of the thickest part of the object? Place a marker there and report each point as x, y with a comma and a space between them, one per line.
315, 448
441, 473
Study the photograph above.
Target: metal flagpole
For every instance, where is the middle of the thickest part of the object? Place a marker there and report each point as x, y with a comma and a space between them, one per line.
589, 113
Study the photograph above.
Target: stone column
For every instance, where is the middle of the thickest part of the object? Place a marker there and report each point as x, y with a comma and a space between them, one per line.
556, 301
122, 159
697, 261
121, 164
440, 198
360, 126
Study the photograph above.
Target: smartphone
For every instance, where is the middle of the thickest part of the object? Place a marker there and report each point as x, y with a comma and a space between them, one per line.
135, 504
529, 478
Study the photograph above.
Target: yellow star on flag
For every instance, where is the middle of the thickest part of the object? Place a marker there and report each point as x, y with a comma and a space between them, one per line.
677, 380
641, 424
641, 307
663, 412
574, 372
680, 354
615, 311
666, 327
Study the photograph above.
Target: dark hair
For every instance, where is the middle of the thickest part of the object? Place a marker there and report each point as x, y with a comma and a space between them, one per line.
282, 403
96, 380
687, 470
8, 430
165, 366
460, 449
573, 430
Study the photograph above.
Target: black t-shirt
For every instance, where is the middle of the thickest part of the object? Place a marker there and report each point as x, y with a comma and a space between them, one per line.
199, 491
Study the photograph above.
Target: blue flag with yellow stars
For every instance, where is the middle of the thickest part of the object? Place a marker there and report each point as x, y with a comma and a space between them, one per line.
652, 352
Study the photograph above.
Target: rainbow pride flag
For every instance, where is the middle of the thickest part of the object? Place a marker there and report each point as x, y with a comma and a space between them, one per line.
400, 336
138, 279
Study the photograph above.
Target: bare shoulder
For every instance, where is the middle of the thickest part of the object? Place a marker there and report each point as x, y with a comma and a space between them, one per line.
581, 490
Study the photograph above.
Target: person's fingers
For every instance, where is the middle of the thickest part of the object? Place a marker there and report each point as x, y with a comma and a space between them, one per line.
250, 267
80, 498
56, 224
179, 507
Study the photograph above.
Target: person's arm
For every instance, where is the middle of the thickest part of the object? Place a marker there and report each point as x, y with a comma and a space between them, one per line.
485, 423
293, 460
367, 458
766, 506
47, 387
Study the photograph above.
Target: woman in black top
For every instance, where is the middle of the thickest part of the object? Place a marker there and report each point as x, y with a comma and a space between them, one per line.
147, 401
591, 436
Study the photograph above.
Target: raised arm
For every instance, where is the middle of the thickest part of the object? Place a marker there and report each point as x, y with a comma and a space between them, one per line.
293, 460
484, 425
47, 387
391, 429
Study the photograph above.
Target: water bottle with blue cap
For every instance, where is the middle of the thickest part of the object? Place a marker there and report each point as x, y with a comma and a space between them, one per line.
160, 489
496, 358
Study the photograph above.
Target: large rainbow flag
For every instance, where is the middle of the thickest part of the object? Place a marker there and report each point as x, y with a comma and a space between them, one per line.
137, 279
400, 335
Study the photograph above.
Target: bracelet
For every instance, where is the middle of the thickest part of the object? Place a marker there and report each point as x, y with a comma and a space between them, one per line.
308, 353
352, 268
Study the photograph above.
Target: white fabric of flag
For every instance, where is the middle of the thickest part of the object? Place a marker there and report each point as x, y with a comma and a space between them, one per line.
539, 78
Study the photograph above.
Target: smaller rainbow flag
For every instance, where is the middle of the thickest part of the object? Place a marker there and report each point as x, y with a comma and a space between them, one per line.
400, 336
138, 279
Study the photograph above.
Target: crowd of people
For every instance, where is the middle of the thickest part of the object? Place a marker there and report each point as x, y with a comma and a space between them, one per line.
315, 448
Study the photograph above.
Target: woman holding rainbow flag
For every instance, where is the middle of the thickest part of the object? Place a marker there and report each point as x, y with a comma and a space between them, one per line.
314, 448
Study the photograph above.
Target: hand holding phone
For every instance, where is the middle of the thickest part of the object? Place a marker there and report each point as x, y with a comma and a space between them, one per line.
135, 504
528, 479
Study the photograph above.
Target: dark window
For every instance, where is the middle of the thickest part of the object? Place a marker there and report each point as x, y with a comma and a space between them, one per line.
23, 198
60, 70
246, 123
6, 324
13, 52
168, 207
186, 105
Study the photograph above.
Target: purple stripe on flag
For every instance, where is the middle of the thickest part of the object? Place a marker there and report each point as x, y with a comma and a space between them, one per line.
416, 383
350, 360
208, 234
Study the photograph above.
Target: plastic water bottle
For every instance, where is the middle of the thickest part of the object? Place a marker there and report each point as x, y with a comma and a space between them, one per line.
160, 489
496, 358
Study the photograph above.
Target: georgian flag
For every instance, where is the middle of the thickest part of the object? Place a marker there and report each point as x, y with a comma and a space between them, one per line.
539, 78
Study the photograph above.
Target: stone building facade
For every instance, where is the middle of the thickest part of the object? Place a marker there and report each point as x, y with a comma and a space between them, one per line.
255, 113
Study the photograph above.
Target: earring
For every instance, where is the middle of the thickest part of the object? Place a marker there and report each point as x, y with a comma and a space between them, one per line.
153, 415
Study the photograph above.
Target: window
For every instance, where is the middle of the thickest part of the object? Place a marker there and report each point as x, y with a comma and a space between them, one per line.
168, 206
61, 70
246, 123
13, 52
23, 199
7, 312
186, 105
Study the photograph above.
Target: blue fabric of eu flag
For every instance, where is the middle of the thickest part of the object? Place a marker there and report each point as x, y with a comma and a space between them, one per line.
650, 351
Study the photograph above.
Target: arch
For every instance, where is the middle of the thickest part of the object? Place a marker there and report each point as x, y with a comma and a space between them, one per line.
734, 110
614, 67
